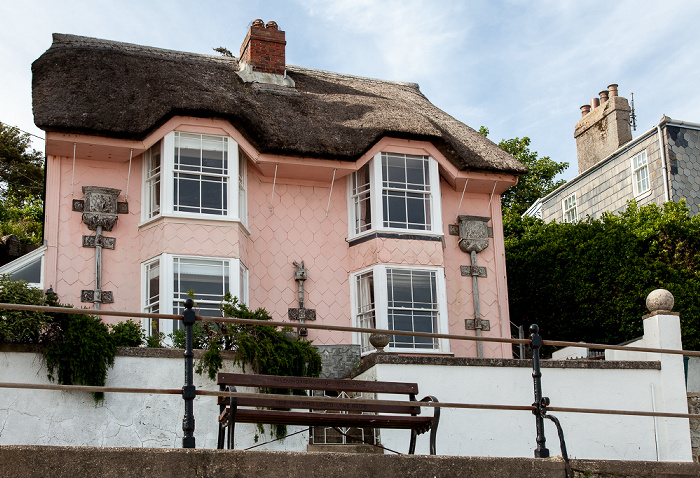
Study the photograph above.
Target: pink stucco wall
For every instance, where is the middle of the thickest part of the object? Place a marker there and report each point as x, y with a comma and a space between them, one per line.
297, 228
71, 267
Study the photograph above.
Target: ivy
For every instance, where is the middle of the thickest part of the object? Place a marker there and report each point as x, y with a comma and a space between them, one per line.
79, 351
588, 281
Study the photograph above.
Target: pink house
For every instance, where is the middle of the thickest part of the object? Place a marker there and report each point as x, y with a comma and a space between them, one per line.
170, 171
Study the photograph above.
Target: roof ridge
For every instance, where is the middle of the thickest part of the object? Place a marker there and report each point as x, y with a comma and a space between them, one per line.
73, 41
333, 74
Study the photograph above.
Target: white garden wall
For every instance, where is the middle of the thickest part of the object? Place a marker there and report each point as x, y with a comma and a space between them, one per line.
647, 386
32, 417
39, 417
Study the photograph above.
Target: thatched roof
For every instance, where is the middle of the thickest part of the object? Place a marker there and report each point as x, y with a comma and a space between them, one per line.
98, 87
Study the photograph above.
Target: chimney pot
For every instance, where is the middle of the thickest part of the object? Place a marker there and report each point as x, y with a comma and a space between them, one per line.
585, 109
613, 90
603, 96
595, 102
263, 48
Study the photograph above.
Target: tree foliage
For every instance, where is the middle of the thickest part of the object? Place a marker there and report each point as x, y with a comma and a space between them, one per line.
539, 180
588, 281
21, 168
21, 186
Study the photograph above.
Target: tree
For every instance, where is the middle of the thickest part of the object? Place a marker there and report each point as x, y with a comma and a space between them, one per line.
589, 280
21, 186
21, 169
539, 180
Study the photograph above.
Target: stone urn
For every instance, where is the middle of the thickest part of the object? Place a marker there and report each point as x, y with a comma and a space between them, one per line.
379, 341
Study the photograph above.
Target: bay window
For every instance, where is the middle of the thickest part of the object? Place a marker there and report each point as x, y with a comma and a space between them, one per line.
396, 193
403, 299
170, 279
192, 175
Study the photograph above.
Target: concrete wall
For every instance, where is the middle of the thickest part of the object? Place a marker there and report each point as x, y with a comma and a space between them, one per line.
78, 462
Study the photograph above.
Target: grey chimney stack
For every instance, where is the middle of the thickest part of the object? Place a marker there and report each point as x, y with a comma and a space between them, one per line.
604, 127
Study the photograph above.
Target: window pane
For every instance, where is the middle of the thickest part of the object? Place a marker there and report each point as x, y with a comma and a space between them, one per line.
405, 194
416, 205
212, 195
204, 190
29, 273
412, 306
187, 192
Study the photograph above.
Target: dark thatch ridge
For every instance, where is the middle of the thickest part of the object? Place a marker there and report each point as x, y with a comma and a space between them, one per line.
99, 87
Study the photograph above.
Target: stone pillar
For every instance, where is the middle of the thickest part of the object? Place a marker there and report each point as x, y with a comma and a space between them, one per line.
662, 329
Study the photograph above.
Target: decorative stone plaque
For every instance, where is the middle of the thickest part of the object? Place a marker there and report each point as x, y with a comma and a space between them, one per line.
473, 233
100, 208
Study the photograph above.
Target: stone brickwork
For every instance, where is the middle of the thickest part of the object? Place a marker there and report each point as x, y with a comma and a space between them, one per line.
683, 150
694, 407
338, 360
608, 185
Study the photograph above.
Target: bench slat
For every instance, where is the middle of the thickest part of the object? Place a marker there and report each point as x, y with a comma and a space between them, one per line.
331, 419
329, 404
309, 383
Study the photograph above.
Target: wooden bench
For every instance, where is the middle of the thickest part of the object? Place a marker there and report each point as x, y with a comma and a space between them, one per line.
313, 413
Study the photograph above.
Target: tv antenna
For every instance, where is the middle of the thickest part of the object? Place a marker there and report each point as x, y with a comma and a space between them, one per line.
633, 117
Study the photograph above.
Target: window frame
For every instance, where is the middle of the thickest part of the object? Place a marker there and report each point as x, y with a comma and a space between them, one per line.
644, 167
376, 198
381, 307
166, 293
14, 266
566, 210
234, 211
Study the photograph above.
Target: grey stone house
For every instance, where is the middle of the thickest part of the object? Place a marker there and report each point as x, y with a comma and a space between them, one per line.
660, 165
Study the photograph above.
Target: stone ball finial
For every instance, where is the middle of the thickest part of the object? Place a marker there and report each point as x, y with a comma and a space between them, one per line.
660, 299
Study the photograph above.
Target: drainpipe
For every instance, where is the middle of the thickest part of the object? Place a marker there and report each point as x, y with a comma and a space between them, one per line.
477, 310
98, 268
664, 168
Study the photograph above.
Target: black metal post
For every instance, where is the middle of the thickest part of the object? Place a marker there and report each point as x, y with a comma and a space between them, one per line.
188, 390
536, 341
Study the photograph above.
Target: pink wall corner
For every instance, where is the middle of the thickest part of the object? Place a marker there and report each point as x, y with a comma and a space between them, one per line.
71, 267
298, 229
493, 302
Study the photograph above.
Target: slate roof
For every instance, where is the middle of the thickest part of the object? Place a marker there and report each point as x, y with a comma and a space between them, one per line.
121, 90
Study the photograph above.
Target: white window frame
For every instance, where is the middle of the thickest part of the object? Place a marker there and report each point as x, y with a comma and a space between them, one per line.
376, 191
23, 261
381, 305
637, 172
235, 211
566, 209
166, 293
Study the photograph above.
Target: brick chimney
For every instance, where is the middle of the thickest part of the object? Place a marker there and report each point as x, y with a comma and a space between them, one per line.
263, 48
602, 129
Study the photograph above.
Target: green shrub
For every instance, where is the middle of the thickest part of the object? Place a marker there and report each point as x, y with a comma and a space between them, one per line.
588, 281
155, 341
21, 326
127, 334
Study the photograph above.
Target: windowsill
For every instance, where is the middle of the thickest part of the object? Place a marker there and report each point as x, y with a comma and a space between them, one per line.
192, 218
408, 352
394, 234
645, 194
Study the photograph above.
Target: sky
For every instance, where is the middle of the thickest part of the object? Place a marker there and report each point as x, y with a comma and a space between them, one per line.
520, 68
